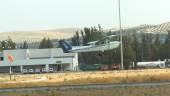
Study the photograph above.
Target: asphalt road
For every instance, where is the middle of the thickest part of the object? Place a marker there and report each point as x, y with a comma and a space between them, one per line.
89, 86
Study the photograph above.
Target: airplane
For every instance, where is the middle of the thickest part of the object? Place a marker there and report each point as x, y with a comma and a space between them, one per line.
93, 46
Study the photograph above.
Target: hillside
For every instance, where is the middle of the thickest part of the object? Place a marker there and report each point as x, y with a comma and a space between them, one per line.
35, 36
164, 27
147, 28
160, 28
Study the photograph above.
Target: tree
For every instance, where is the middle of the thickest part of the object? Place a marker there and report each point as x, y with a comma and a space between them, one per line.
156, 46
128, 55
91, 34
46, 43
88, 35
8, 44
76, 39
11, 44
165, 52
43, 43
25, 45
146, 47
4, 45
136, 48
49, 43
128, 52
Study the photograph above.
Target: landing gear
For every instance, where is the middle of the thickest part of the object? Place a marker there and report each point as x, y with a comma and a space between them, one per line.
100, 54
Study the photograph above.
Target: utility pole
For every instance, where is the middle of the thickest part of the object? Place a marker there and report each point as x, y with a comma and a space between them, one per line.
10, 71
120, 28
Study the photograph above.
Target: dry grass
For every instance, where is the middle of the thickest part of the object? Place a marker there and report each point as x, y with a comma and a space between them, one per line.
53, 79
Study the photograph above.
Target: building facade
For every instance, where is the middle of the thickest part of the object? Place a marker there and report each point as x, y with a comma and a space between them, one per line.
38, 60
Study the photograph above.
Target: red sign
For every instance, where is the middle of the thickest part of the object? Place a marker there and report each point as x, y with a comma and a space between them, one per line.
10, 58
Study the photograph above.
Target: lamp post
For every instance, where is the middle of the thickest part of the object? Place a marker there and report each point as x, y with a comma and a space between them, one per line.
10, 60
10, 71
120, 29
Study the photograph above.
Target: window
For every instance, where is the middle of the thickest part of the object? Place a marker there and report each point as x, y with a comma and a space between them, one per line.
1, 58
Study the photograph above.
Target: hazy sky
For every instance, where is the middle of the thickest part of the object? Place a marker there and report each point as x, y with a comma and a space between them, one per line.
49, 14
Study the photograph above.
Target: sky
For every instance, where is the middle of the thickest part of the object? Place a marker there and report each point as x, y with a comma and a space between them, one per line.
19, 15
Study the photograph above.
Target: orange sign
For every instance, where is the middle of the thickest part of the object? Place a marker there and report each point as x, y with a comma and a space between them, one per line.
10, 58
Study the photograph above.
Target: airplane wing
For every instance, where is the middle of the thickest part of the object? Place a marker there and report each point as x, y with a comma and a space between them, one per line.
101, 41
110, 36
93, 43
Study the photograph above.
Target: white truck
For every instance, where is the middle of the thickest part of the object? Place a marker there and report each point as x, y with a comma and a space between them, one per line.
151, 64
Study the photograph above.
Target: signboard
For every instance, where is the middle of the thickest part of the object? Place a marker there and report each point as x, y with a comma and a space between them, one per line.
58, 61
10, 58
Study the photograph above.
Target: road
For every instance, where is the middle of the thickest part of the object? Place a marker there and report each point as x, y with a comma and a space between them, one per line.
89, 86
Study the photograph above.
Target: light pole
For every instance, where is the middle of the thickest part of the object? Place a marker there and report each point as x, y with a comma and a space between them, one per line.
10, 60
120, 29
10, 71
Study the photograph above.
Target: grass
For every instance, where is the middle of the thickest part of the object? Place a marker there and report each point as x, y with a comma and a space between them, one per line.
54, 79
126, 91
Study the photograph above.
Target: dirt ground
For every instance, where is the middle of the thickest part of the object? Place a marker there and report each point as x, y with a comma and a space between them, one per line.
126, 91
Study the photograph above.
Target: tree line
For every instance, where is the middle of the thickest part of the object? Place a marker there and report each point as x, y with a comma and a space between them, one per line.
136, 47
10, 44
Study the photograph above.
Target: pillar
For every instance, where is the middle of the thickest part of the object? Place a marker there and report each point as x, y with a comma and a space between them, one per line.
27, 54
47, 67
61, 67
75, 62
51, 53
21, 68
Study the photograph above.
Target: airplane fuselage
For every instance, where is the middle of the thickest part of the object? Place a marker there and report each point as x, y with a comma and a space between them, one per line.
93, 48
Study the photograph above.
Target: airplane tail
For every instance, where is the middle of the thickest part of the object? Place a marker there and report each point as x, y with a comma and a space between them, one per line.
65, 46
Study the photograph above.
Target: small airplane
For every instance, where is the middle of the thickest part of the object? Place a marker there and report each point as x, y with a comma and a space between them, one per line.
100, 45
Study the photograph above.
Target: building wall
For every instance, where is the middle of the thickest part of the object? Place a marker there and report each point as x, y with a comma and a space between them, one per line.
46, 57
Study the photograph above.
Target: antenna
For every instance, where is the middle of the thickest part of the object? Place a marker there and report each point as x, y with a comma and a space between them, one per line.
120, 28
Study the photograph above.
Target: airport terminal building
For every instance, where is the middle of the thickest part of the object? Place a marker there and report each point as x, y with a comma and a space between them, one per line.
38, 61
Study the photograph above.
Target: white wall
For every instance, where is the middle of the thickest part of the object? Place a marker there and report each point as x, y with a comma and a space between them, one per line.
53, 56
